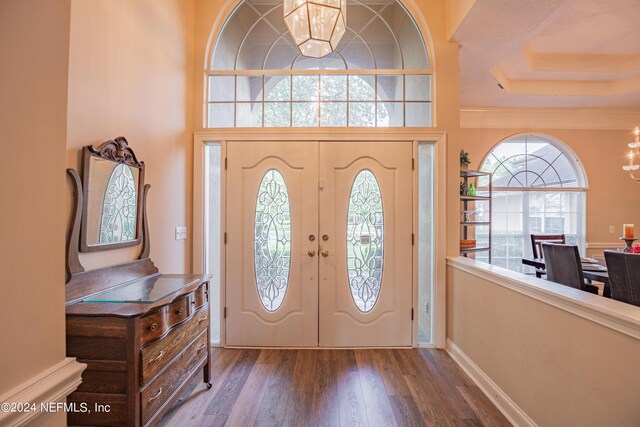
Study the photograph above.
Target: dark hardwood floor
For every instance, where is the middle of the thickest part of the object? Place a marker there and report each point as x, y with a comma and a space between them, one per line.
334, 388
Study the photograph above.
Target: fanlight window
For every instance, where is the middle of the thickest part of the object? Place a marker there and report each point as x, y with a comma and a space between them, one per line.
118, 221
539, 188
272, 240
378, 75
365, 240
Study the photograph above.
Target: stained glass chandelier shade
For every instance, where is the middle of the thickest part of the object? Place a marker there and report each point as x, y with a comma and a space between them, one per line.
316, 25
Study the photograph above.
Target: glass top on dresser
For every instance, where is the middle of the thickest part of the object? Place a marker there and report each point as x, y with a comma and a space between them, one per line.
147, 290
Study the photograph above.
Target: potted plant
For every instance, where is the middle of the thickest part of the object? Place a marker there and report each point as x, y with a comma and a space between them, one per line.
464, 159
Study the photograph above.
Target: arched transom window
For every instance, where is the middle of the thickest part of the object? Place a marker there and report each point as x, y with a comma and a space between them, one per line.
378, 75
538, 188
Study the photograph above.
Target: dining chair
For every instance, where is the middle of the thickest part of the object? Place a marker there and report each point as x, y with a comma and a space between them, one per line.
624, 276
563, 266
537, 240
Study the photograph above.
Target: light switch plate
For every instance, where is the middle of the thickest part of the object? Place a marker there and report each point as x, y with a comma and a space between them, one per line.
611, 229
181, 233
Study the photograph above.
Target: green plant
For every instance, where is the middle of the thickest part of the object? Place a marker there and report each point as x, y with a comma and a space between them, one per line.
464, 158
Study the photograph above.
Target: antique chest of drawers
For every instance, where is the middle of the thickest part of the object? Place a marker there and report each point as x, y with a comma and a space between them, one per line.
141, 348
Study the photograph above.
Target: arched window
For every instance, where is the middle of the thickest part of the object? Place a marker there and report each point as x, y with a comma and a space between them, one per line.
378, 75
538, 188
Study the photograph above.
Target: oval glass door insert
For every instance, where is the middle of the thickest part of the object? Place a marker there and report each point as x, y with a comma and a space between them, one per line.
365, 240
272, 240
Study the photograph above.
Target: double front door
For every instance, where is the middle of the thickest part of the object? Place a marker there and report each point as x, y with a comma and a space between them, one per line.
319, 244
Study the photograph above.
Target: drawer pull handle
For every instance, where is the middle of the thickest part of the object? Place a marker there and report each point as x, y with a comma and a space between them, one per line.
151, 399
155, 359
180, 312
153, 327
202, 319
201, 347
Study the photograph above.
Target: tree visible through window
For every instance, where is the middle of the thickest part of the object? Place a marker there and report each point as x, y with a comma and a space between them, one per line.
539, 188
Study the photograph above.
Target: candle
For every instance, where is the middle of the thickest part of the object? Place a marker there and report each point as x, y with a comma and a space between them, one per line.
628, 231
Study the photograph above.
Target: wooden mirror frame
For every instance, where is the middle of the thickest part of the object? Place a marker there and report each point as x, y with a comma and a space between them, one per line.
118, 151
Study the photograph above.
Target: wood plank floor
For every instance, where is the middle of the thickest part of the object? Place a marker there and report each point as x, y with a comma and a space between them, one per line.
383, 387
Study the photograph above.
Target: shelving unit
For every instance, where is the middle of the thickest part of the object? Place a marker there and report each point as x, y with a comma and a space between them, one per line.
468, 202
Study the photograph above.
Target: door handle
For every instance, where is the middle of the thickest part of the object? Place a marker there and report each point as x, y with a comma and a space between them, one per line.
311, 254
324, 253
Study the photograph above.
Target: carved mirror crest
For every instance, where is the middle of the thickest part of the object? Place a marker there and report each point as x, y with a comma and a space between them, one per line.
113, 183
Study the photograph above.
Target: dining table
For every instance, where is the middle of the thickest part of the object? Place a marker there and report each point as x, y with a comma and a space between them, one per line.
598, 276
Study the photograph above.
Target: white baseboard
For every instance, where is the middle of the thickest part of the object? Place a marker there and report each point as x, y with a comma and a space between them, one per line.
508, 407
52, 385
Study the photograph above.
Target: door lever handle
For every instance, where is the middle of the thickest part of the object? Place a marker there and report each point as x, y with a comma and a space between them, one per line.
324, 253
311, 254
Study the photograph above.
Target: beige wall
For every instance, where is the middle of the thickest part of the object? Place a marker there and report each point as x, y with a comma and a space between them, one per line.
612, 199
559, 368
34, 43
131, 74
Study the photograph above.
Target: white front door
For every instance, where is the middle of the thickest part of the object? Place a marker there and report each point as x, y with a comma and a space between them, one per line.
272, 209
319, 244
366, 218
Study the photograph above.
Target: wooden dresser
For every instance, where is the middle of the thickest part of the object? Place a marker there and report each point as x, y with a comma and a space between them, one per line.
140, 356
143, 335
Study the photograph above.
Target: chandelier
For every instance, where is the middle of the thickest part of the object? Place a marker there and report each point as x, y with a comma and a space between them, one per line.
634, 155
316, 25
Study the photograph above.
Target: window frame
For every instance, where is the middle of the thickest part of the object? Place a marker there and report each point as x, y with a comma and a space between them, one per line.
581, 187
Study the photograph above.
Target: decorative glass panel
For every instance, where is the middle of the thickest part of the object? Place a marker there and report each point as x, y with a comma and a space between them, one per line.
118, 222
272, 240
365, 240
379, 35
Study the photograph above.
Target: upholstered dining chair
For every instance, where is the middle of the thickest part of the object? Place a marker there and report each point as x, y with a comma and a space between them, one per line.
536, 249
624, 276
563, 266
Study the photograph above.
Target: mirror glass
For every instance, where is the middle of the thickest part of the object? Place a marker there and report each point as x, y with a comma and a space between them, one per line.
111, 202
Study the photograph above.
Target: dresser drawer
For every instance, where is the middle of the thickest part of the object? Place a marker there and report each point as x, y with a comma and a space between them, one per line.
154, 325
201, 295
179, 311
157, 354
163, 386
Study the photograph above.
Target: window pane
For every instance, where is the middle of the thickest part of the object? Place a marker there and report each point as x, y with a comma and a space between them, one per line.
333, 88
272, 240
249, 88
361, 88
305, 88
221, 115
277, 88
362, 114
418, 114
390, 114
381, 42
249, 114
221, 88
305, 114
418, 87
365, 240
254, 48
277, 114
333, 114
390, 88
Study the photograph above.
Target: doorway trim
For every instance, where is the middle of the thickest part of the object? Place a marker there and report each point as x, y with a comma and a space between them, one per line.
414, 135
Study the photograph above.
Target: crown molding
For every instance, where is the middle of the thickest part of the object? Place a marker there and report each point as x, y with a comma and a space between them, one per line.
549, 118
568, 87
580, 63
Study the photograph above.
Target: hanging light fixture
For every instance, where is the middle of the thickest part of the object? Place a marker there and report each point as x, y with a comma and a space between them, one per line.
316, 25
634, 154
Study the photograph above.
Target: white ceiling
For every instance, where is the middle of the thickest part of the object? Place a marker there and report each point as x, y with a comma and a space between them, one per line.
589, 50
